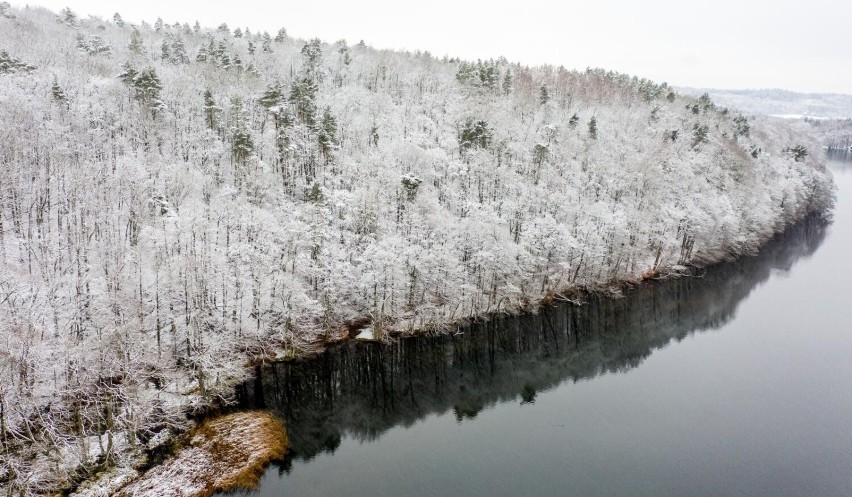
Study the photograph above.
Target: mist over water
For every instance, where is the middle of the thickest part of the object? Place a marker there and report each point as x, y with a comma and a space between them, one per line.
731, 383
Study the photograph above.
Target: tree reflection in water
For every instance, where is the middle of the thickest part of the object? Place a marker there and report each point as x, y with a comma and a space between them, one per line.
360, 390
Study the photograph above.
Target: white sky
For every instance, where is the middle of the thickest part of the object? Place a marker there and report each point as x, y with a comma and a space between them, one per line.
732, 44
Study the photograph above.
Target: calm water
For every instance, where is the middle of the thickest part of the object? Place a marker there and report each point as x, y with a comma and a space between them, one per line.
738, 383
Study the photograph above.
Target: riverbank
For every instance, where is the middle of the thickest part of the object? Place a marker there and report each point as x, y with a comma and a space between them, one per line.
222, 454
187, 472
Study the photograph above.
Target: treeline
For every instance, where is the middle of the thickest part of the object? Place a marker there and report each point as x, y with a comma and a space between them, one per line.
177, 202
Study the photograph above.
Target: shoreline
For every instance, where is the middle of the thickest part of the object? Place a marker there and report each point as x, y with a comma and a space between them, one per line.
576, 296
225, 453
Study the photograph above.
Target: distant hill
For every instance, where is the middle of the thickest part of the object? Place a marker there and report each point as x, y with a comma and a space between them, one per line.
779, 102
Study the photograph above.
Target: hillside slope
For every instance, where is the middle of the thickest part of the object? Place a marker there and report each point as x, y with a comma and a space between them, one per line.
177, 202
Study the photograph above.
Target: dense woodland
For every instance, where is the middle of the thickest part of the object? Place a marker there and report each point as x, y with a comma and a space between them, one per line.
178, 202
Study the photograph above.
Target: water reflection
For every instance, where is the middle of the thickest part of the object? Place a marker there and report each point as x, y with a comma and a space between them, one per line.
360, 390
841, 158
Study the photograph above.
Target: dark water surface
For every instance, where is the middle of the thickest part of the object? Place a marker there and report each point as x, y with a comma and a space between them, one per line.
738, 383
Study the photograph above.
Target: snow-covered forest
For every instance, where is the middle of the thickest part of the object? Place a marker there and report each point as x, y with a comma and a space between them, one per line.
180, 202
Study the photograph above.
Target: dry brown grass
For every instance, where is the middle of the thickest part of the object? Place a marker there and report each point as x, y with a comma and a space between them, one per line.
223, 454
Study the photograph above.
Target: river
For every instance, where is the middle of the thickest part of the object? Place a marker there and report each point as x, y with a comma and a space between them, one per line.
733, 383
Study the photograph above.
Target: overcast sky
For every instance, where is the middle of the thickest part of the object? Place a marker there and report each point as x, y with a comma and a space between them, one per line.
792, 44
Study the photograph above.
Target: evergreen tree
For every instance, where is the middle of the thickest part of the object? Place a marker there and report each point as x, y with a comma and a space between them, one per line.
116, 18
4, 10
211, 111
68, 16
489, 75
222, 56
303, 97
281, 36
135, 45
705, 102
742, 126
799, 153
179, 55
266, 43
313, 55
251, 48
699, 134
540, 153
128, 74
242, 145
593, 128
475, 134
327, 135
148, 87
57, 93
543, 95
202, 54
81, 43
196, 28
574, 120
165, 52
238, 33
158, 25
507, 82
273, 96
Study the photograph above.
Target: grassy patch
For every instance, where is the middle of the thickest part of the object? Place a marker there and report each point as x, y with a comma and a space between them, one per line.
223, 454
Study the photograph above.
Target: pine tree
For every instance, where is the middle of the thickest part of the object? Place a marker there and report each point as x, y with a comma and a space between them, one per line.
273, 96
128, 74
705, 102
699, 134
211, 111
281, 36
146, 85
574, 120
135, 45
303, 96
327, 136
593, 128
242, 145
179, 55
116, 18
313, 55
507, 82
202, 54
266, 42
251, 48
165, 52
743, 128
57, 93
543, 95
238, 33
9, 64
81, 43
68, 16
158, 25
4, 10
222, 56
475, 134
